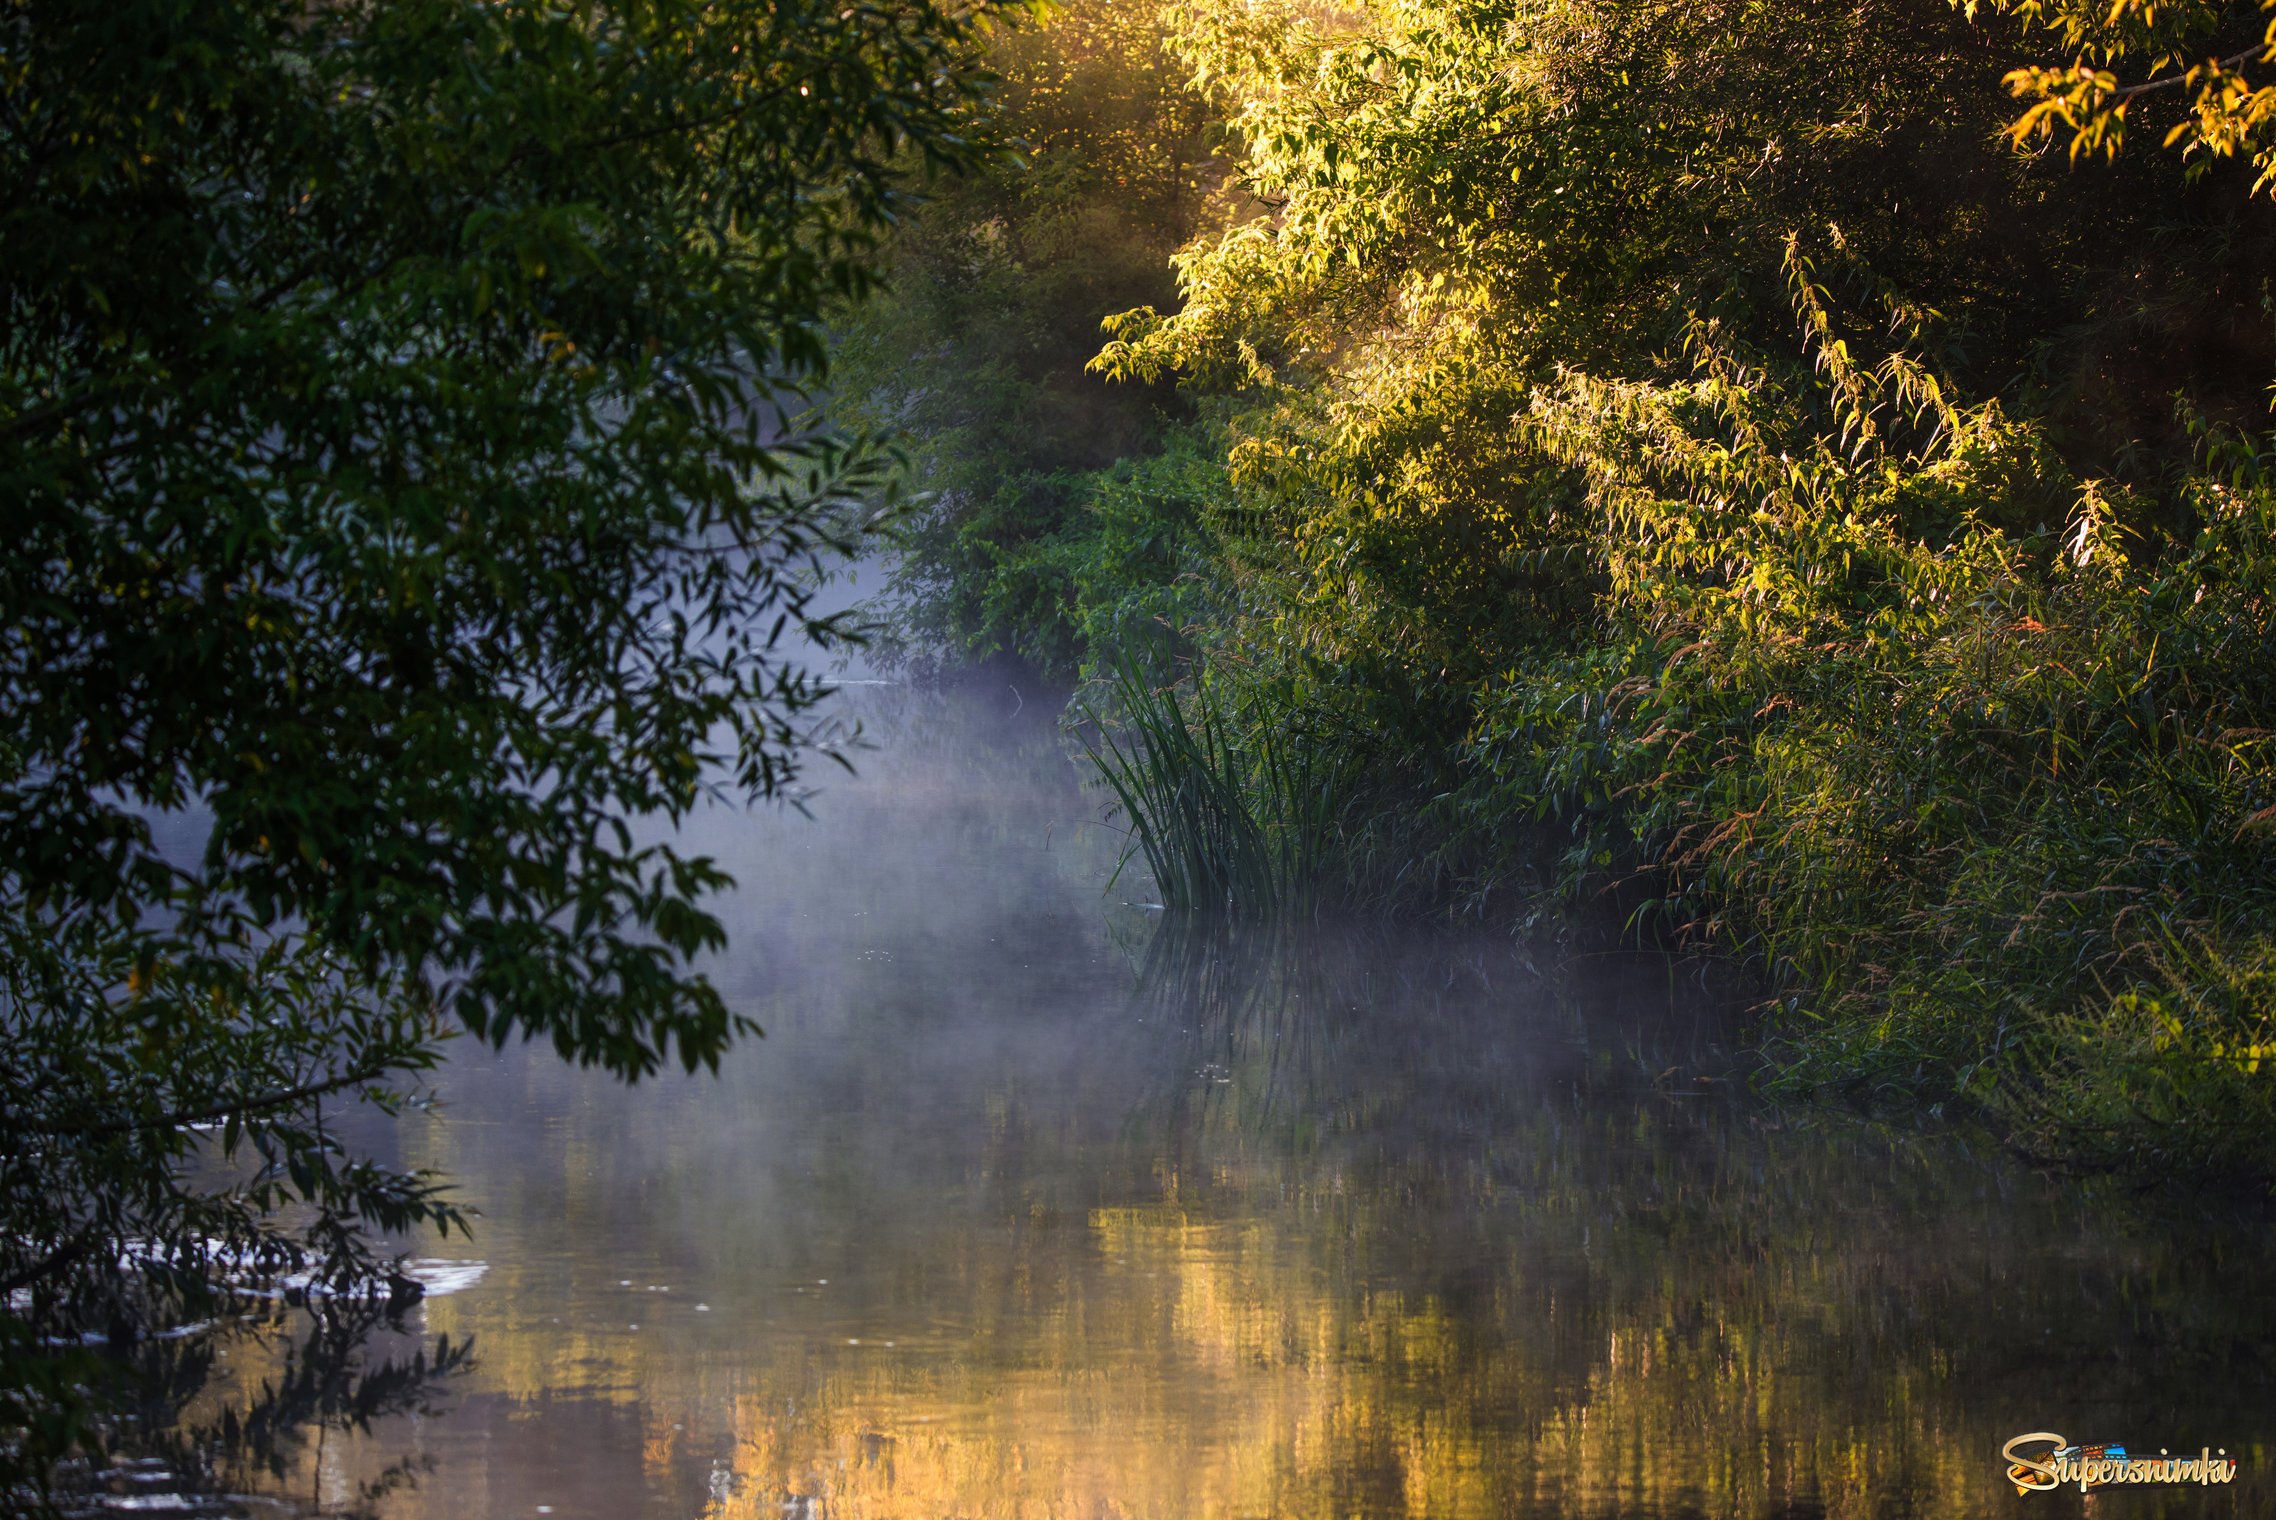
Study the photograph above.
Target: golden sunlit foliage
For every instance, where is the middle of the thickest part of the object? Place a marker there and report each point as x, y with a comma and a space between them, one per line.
2190, 49
1716, 459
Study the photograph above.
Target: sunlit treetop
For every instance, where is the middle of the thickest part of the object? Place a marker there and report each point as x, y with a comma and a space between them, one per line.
2211, 59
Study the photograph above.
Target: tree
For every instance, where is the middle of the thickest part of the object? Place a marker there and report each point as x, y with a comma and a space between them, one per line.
397, 466
977, 355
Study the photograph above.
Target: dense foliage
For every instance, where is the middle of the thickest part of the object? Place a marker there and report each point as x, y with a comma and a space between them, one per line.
1054, 513
397, 498
1740, 464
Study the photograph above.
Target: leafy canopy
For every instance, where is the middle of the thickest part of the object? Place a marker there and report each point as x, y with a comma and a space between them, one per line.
398, 473
976, 355
386, 446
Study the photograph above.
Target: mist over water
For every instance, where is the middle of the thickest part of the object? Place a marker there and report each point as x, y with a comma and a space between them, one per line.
1031, 1203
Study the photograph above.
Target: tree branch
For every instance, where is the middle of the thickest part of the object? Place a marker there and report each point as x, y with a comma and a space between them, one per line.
217, 1110
61, 1256
40, 416
2220, 66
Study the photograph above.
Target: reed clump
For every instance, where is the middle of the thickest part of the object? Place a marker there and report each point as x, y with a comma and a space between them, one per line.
1233, 800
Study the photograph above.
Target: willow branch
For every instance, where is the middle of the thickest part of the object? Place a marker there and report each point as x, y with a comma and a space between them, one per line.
223, 1110
2220, 66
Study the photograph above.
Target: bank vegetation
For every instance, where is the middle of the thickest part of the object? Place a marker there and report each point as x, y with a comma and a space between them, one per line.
1797, 479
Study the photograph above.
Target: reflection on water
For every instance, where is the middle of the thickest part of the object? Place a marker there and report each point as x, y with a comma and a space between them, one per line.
1029, 1205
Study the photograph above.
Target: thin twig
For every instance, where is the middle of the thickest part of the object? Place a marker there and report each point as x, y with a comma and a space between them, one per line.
2220, 66
218, 1110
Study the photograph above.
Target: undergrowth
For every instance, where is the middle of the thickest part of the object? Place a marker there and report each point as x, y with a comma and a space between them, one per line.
1987, 808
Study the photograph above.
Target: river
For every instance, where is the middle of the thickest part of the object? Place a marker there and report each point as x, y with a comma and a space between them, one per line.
1032, 1204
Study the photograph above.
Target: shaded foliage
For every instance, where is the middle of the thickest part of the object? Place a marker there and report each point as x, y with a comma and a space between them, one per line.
1051, 506
400, 496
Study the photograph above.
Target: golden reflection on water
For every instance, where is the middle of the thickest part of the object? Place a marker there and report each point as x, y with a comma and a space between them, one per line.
1024, 1209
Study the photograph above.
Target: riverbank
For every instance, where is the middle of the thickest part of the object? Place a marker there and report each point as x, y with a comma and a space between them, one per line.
2010, 867
1699, 465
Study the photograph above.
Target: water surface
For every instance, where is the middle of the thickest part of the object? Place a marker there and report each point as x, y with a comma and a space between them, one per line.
1031, 1205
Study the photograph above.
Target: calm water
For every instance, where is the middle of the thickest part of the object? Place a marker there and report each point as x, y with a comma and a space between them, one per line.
1032, 1205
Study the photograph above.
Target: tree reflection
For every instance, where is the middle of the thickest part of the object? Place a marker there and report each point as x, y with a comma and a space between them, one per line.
191, 1432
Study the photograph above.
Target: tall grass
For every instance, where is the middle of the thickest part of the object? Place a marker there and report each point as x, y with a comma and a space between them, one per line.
1234, 799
